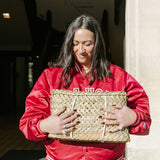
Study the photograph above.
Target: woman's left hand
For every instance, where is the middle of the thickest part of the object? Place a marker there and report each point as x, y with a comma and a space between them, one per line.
123, 116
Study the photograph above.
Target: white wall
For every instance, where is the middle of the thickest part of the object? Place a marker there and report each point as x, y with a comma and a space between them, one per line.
142, 59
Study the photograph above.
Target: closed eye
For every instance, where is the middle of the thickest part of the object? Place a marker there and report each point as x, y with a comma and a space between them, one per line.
88, 44
75, 44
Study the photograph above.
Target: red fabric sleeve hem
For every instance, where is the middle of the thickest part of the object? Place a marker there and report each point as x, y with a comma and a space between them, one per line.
38, 127
137, 121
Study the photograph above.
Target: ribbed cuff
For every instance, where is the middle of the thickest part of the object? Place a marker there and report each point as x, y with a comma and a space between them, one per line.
38, 127
137, 121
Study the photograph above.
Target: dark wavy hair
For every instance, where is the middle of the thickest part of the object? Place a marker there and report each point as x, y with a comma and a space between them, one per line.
66, 58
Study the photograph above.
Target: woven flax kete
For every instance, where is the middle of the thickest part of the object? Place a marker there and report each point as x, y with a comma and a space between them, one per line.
88, 105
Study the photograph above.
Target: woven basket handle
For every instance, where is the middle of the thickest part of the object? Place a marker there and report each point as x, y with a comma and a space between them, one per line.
74, 101
104, 128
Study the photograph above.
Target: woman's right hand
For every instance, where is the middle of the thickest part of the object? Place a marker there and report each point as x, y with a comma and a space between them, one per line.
58, 123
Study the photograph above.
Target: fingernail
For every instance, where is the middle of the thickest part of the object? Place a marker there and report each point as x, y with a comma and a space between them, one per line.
100, 117
75, 110
114, 105
103, 123
78, 121
110, 131
78, 115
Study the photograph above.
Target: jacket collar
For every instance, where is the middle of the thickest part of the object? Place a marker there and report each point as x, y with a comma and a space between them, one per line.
78, 67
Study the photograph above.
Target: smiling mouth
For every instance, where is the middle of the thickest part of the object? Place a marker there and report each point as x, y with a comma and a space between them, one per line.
83, 55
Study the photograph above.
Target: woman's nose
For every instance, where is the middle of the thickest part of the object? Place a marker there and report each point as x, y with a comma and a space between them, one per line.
81, 48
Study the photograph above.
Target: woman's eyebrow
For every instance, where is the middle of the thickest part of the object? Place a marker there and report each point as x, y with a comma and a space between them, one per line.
84, 41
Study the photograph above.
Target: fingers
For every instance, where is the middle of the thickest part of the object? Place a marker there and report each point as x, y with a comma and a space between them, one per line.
111, 122
118, 128
68, 114
114, 117
71, 118
109, 117
59, 112
64, 131
67, 120
112, 113
119, 106
70, 125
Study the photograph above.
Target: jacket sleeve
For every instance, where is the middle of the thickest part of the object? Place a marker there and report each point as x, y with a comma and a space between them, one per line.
139, 102
37, 107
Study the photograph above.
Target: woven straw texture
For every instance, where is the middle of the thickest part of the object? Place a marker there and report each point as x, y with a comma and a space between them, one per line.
88, 105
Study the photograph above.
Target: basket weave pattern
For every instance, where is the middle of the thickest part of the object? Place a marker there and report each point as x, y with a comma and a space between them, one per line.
88, 105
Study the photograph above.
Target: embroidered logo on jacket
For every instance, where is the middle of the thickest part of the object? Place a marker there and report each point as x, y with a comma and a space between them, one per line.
90, 90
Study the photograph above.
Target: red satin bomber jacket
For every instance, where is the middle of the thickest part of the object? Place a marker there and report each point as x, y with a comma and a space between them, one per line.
37, 107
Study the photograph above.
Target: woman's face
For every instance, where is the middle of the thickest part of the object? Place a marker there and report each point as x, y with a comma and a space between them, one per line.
83, 45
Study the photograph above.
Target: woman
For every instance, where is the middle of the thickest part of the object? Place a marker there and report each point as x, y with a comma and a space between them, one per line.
82, 66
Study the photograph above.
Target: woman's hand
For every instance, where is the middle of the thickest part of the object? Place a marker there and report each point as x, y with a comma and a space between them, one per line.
58, 123
123, 116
